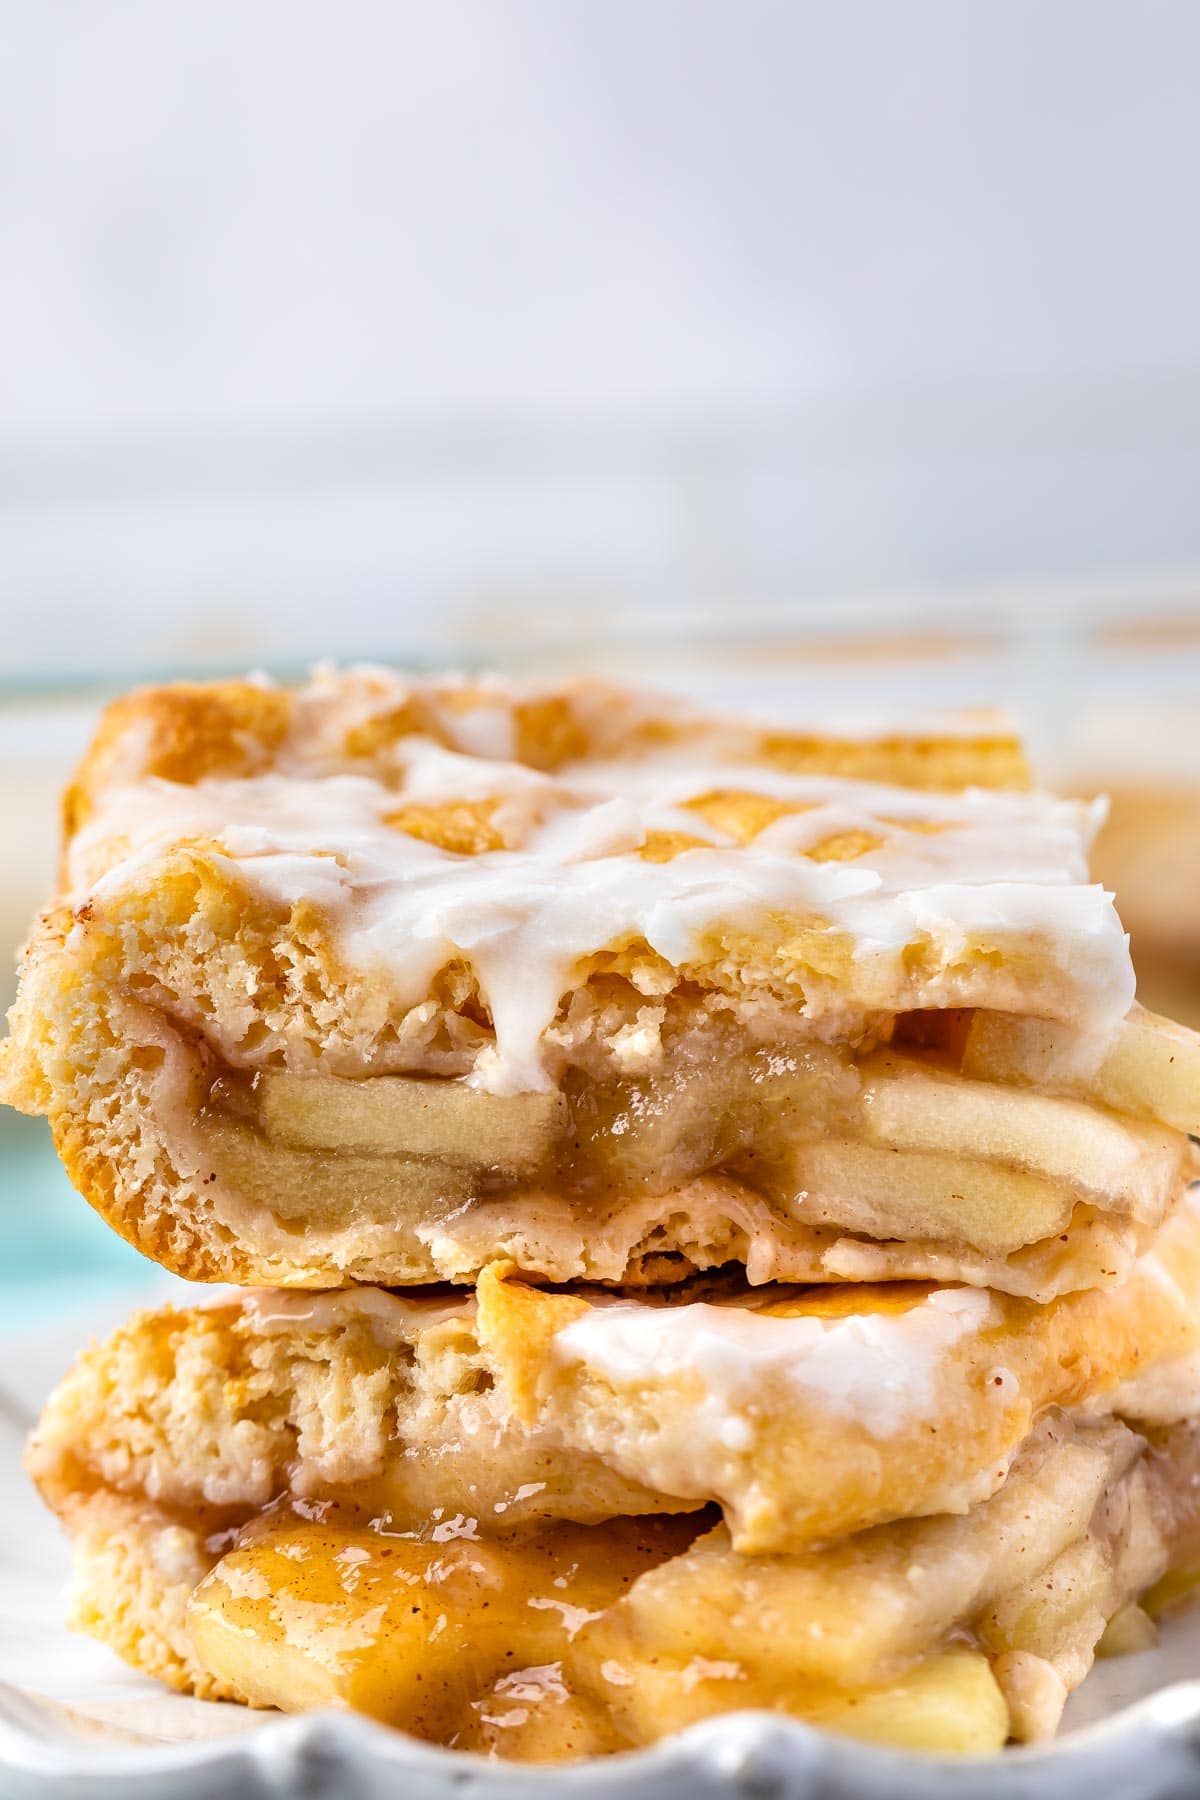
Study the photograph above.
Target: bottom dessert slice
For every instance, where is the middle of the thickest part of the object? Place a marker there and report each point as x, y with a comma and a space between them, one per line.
908, 1515
953, 1633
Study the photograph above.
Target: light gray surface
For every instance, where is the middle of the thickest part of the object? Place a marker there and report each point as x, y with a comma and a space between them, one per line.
372, 332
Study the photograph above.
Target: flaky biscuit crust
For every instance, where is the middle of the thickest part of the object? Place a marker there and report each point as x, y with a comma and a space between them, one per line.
123, 1082
226, 1405
167, 966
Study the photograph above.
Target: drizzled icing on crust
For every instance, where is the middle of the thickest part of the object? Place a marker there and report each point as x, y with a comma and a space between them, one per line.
1002, 868
881, 1369
394, 1317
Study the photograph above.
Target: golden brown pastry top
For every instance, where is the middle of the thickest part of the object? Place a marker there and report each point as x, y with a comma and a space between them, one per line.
358, 721
502, 852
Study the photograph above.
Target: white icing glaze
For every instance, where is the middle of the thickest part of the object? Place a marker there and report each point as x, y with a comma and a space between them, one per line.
878, 1368
337, 698
395, 1318
1009, 867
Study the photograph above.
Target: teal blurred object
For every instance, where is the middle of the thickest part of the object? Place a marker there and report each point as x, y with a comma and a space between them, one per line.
56, 1255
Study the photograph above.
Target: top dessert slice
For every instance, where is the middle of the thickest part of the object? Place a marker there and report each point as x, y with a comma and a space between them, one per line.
379, 979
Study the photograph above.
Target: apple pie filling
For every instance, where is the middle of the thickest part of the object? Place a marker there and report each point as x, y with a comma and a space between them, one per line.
558, 1640
895, 1146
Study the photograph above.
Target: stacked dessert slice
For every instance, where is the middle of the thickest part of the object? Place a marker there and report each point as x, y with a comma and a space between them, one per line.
713, 1225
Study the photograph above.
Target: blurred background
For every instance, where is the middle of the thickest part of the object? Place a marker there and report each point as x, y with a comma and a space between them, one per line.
785, 352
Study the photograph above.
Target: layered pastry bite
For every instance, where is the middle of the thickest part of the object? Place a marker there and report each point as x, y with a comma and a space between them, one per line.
556, 1524
378, 981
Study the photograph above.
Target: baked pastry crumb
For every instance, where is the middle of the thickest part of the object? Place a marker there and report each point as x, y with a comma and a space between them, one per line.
380, 980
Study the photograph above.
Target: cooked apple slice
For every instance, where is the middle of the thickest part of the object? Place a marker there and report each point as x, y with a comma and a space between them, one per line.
408, 1632
1061, 1609
312, 1188
305, 1614
1127, 1165
909, 1194
1127, 1633
850, 1613
412, 1116
1173, 1589
530, 1715
1150, 1069
948, 1705
421, 1633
